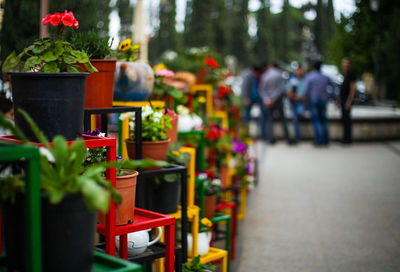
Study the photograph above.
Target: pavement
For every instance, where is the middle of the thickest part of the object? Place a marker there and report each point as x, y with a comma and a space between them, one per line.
323, 209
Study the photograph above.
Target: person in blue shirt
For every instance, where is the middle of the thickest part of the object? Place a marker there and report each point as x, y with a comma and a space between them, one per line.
316, 92
251, 96
294, 93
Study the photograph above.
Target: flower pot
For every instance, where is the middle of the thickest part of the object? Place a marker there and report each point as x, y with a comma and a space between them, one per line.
53, 100
209, 205
67, 235
153, 150
203, 243
100, 85
160, 197
124, 212
133, 81
173, 132
223, 173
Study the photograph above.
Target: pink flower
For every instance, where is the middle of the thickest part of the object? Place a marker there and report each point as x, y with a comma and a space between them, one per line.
55, 19
68, 18
164, 73
76, 23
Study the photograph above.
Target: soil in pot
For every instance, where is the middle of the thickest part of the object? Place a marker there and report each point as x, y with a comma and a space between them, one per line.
124, 212
209, 205
67, 235
53, 100
153, 150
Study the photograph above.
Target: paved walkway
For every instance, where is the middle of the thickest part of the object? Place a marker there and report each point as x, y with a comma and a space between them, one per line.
324, 209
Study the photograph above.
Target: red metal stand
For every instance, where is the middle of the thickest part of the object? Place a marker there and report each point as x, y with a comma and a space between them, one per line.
143, 219
230, 205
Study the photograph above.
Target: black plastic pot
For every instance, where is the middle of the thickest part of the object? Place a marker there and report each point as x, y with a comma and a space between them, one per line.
54, 101
67, 235
162, 198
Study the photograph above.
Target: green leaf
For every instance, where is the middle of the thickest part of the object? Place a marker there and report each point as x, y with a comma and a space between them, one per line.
11, 62
73, 69
49, 56
171, 177
7, 124
38, 133
81, 57
96, 198
39, 46
90, 67
32, 62
69, 59
51, 67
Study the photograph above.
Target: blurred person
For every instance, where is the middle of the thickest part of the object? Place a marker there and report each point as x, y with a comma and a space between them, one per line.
347, 93
295, 93
315, 91
251, 96
272, 91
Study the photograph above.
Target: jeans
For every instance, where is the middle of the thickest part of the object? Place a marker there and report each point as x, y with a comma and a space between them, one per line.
297, 109
247, 116
269, 116
320, 123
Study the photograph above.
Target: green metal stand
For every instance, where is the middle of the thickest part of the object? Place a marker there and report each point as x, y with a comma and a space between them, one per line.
30, 154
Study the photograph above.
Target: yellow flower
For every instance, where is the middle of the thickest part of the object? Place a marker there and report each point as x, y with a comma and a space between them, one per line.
160, 66
201, 99
135, 47
206, 222
124, 46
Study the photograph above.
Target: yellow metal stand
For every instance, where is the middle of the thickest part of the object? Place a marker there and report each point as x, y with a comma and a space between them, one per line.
243, 202
223, 115
155, 103
215, 254
208, 89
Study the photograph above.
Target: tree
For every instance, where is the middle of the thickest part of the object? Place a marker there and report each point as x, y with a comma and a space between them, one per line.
103, 12
330, 15
219, 27
285, 25
319, 25
125, 12
198, 29
240, 35
263, 47
20, 25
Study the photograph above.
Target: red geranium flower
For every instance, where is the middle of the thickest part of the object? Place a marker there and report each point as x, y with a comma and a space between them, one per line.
222, 91
55, 19
68, 18
211, 62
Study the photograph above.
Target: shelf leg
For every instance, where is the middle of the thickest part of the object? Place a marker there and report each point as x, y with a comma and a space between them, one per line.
169, 247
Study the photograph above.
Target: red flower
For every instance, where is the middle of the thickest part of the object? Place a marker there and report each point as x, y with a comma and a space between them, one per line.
211, 62
222, 91
55, 19
68, 18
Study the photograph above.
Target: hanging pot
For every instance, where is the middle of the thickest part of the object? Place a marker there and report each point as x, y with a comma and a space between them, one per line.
124, 211
67, 235
53, 100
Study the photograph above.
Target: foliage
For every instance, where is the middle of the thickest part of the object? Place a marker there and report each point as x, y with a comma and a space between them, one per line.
94, 45
262, 47
51, 56
10, 186
62, 170
240, 39
195, 266
198, 27
155, 124
125, 12
128, 51
212, 186
161, 90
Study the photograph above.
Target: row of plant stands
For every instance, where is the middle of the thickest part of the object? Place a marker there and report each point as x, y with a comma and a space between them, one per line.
30, 155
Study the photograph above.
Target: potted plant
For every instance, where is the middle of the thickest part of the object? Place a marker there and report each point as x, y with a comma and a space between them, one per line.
100, 85
155, 125
49, 84
196, 266
223, 147
212, 188
71, 193
161, 193
134, 80
204, 237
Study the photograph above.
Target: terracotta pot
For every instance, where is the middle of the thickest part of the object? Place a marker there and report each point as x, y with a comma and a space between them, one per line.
124, 212
100, 85
223, 173
209, 206
153, 150
173, 132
